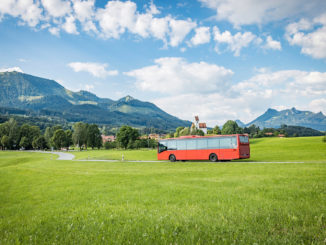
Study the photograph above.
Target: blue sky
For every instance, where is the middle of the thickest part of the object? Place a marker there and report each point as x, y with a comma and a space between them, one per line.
219, 59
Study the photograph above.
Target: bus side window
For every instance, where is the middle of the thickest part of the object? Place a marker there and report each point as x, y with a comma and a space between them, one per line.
202, 144
181, 145
234, 143
225, 143
228, 142
213, 143
172, 144
191, 144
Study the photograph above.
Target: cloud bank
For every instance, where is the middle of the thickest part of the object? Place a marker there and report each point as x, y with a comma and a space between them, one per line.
208, 90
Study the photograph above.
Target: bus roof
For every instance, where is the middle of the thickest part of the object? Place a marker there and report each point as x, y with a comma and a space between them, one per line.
199, 137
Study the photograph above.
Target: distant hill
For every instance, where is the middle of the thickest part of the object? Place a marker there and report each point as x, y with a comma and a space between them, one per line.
240, 123
26, 94
274, 119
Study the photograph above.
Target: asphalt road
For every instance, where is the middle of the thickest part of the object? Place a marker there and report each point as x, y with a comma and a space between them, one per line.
62, 155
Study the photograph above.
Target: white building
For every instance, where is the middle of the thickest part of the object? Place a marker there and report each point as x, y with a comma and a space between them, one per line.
201, 126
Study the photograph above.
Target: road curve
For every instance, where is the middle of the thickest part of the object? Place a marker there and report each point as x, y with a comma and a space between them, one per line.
62, 155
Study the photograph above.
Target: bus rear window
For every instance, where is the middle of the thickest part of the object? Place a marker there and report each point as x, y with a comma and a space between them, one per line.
244, 139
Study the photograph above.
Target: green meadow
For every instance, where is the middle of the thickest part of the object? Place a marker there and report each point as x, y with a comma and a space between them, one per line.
45, 201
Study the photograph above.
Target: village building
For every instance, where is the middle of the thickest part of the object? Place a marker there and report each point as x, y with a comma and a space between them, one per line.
203, 127
107, 138
153, 136
199, 125
156, 136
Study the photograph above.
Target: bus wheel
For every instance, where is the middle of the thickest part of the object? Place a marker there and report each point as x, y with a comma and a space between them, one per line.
172, 158
213, 157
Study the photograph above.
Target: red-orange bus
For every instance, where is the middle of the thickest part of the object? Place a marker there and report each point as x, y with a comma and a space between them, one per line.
213, 148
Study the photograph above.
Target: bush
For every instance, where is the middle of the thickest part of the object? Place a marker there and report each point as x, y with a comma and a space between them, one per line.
110, 145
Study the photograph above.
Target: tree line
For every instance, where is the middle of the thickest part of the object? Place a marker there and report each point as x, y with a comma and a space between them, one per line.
13, 136
82, 135
231, 127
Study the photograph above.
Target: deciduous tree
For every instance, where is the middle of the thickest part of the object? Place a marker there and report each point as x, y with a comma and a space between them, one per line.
5, 142
231, 127
79, 135
59, 139
126, 136
94, 138
40, 143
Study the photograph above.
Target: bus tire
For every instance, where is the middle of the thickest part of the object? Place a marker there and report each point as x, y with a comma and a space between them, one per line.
172, 158
213, 157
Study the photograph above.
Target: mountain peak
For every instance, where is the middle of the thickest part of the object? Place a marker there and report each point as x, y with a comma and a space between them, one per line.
127, 98
270, 110
41, 96
274, 119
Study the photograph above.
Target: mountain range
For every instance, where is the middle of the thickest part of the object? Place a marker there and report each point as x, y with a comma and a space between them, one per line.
25, 94
39, 96
274, 119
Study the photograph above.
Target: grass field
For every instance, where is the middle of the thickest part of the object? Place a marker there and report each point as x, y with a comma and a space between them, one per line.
45, 201
263, 149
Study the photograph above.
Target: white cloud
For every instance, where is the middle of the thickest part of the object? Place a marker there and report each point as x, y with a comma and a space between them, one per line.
27, 10
179, 30
57, 8
159, 28
11, 69
294, 84
272, 44
234, 42
175, 75
89, 87
54, 31
69, 26
213, 108
111, 21
202, 35
247, 12
318, 105
309, 35
84, 10
116, 17
96, 69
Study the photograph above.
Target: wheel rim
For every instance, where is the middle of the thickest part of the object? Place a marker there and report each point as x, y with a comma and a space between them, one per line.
172, 158
213, 158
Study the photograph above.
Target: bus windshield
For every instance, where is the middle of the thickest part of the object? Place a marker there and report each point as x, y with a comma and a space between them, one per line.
162, 146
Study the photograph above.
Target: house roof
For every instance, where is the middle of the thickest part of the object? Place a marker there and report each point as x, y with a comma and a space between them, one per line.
269, 133
202, 125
